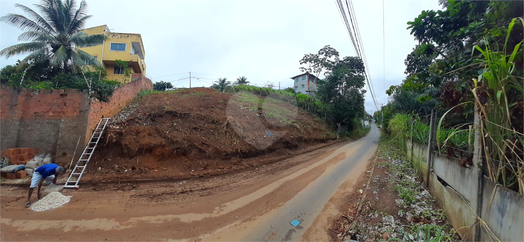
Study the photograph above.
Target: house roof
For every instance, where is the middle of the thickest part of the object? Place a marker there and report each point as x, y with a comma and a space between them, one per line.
303, 74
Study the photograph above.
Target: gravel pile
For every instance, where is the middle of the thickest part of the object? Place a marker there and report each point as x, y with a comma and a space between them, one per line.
51, 201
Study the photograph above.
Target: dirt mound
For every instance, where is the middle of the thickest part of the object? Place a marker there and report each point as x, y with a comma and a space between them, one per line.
201, 131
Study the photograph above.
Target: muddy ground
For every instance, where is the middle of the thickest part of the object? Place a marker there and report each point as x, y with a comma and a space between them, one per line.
151, 211
392, 203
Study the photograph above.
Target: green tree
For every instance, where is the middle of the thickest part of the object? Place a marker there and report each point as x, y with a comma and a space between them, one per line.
221, 84
242, 81
162, 86
54, 35
342, 91
323, 61
440, 68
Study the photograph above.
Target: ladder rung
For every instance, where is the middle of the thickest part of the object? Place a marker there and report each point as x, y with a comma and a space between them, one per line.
88, 151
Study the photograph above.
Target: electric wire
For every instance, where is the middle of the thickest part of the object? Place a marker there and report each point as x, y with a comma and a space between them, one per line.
354, 34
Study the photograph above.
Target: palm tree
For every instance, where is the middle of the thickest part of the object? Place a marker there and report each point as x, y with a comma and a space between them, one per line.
242, 81
54, 35
221, 84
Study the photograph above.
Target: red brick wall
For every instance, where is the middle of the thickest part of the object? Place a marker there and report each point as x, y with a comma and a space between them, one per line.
120, 98
48, 120
53, 121
47, 104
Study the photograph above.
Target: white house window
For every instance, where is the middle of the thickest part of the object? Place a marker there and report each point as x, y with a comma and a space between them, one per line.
303, 78
118, 47
119, 70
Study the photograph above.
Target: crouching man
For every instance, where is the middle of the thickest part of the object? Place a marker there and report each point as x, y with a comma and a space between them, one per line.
48, 172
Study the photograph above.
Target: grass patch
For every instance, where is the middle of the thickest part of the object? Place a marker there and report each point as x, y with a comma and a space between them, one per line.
193, 94
147, 92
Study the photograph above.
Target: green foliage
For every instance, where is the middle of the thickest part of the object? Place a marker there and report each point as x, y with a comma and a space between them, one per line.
420, 132
101, 89
383, 116
356, 133
147, 92
398, 127
162, 86
498, 91
242, 81
341, 92
127, 69
54, 35
324, 60
446, 53
222, 84
426, 232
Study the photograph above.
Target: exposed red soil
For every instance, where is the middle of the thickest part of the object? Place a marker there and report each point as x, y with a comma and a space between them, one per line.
200, 132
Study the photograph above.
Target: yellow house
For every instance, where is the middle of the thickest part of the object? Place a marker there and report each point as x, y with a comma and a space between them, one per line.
118, 46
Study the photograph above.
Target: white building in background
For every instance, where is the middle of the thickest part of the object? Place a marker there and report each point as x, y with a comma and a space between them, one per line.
305, 83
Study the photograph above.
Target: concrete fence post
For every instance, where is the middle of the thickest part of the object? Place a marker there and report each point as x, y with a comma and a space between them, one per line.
431, 143
477, 163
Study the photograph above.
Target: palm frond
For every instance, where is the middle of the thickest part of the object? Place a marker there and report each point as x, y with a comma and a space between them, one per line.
22, 22
87, 58
79, 18
21, 48
50, 9
81, 39
37, 56
78, 61
35, 36
37, 18
59, 57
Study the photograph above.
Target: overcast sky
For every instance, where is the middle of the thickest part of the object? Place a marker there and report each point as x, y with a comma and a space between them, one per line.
261, 40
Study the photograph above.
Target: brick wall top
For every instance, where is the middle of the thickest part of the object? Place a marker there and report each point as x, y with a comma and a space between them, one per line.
47, 104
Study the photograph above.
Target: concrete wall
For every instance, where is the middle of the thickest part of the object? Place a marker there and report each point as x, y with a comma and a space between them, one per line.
504, 214
418, 154
49, 120
53, 121
502, 209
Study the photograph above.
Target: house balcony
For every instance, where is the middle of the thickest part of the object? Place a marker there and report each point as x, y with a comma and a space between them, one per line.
134, 61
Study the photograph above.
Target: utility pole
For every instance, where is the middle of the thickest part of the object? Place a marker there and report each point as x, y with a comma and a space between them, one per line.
189, 79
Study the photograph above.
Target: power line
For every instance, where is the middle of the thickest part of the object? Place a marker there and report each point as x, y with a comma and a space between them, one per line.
384, 45
354, 34
353, 17
170, 75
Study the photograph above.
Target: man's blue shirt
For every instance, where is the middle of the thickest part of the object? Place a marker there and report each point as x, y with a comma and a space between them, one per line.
47, 170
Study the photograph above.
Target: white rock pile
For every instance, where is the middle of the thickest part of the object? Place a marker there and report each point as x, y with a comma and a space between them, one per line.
51, 201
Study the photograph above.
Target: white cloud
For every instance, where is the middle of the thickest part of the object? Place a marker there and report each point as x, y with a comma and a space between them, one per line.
262, 40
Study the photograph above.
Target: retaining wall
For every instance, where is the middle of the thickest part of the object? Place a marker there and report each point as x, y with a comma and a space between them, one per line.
49, 120
120, 98
54, 121
455, 189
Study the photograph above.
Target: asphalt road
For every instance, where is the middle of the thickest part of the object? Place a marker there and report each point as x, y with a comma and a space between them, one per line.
308, 203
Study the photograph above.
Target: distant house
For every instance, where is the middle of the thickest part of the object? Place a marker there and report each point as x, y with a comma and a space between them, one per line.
118, 46
305, 83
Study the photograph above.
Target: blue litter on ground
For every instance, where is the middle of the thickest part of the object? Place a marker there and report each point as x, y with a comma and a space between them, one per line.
295, 222
268, 133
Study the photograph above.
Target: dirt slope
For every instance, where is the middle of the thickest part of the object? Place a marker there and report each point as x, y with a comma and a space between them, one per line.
201, 132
